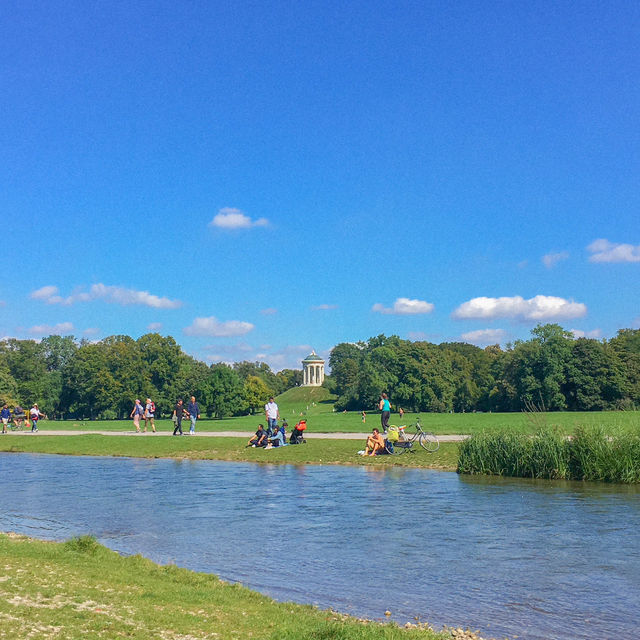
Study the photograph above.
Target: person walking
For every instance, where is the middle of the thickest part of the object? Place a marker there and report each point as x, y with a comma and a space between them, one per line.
272, 415
136, 413
178, 412
5, 416
35, 415
149, 415
194, 414
385, 409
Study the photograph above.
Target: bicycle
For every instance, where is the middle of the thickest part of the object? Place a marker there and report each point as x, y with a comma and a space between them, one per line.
17, 423
404, 443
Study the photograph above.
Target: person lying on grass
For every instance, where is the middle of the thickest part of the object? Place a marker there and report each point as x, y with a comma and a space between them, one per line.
259, 439
375, 444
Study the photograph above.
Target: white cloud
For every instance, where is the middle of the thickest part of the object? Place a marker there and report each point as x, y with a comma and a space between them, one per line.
540, 308
211, 326
49, 330
404, 306
578, 333
484, 336
604, 251
324, 307
44, 293
230, 218
551, 259
154, 326
270, 311
289, 357
231, 349
108, 293
91, 331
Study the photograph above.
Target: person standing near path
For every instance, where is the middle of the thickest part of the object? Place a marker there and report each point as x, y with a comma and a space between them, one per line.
178, 412
401, 413
136, 412
5, 415
272, 414
194, 414
385, 408
149, 415
35, 415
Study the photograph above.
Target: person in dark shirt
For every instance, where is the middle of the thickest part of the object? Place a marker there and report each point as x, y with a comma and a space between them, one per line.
259, 439
178, 413
5, 415
194, 414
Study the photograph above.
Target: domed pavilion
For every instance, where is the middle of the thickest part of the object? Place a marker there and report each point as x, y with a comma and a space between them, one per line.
312, 370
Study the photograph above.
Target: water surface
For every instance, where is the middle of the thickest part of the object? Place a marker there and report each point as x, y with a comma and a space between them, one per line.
537, 560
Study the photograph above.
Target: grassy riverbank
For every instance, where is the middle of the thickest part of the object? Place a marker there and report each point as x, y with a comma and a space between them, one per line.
322, 419
232, 449
80, 589
590, 453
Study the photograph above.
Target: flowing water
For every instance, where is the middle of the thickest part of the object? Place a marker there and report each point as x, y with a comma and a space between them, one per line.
536, 560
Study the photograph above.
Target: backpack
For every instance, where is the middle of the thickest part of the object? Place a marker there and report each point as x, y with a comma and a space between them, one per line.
153, 407
393, 434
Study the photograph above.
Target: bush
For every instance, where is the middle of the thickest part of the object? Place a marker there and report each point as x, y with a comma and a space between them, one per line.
589, 454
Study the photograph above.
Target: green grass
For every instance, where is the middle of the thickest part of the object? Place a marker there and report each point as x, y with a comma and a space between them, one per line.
591, 453
232, 449
321, 418
80, 589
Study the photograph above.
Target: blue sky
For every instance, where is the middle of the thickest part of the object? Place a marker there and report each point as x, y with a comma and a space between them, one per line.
262, 178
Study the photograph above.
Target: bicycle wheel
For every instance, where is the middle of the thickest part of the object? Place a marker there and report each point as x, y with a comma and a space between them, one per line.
394, 448
429, 442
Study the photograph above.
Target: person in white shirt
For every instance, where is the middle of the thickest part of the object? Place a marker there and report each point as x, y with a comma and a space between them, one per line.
272, 415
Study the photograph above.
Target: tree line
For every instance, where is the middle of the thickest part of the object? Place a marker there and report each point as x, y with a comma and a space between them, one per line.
552, 370
70, 379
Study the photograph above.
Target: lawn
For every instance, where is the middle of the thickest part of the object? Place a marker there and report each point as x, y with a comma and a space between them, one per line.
232, 449
321, 418
80, 589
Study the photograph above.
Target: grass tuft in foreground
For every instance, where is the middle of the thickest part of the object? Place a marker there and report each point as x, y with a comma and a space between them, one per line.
590, 454
80, 589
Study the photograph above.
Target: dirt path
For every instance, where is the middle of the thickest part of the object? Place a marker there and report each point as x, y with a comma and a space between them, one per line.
211, 434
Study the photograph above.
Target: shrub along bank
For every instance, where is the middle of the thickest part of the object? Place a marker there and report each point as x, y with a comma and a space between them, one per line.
589, 454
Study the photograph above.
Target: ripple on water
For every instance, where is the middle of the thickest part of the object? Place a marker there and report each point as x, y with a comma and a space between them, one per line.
534, 559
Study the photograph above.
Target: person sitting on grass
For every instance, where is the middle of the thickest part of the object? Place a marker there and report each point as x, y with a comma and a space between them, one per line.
275, 440
259, 439
375, 444
297, 435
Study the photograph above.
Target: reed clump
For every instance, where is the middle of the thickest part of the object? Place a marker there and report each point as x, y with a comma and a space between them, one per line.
590, 453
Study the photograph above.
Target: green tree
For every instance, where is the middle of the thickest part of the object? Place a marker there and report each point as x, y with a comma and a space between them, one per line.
224, 392
256, 393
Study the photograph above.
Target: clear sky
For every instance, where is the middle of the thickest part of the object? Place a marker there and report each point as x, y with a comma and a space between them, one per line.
258, 179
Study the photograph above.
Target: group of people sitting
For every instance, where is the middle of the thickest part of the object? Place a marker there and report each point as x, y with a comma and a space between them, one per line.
275, 436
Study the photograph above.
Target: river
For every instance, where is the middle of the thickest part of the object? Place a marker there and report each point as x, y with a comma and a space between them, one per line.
532, 559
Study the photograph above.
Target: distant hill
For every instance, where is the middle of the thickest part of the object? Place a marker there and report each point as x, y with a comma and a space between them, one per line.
308, 401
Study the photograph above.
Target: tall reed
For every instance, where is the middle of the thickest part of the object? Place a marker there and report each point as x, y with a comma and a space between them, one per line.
589, 454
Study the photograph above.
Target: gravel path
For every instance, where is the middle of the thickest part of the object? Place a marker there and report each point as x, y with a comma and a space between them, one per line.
212, 434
